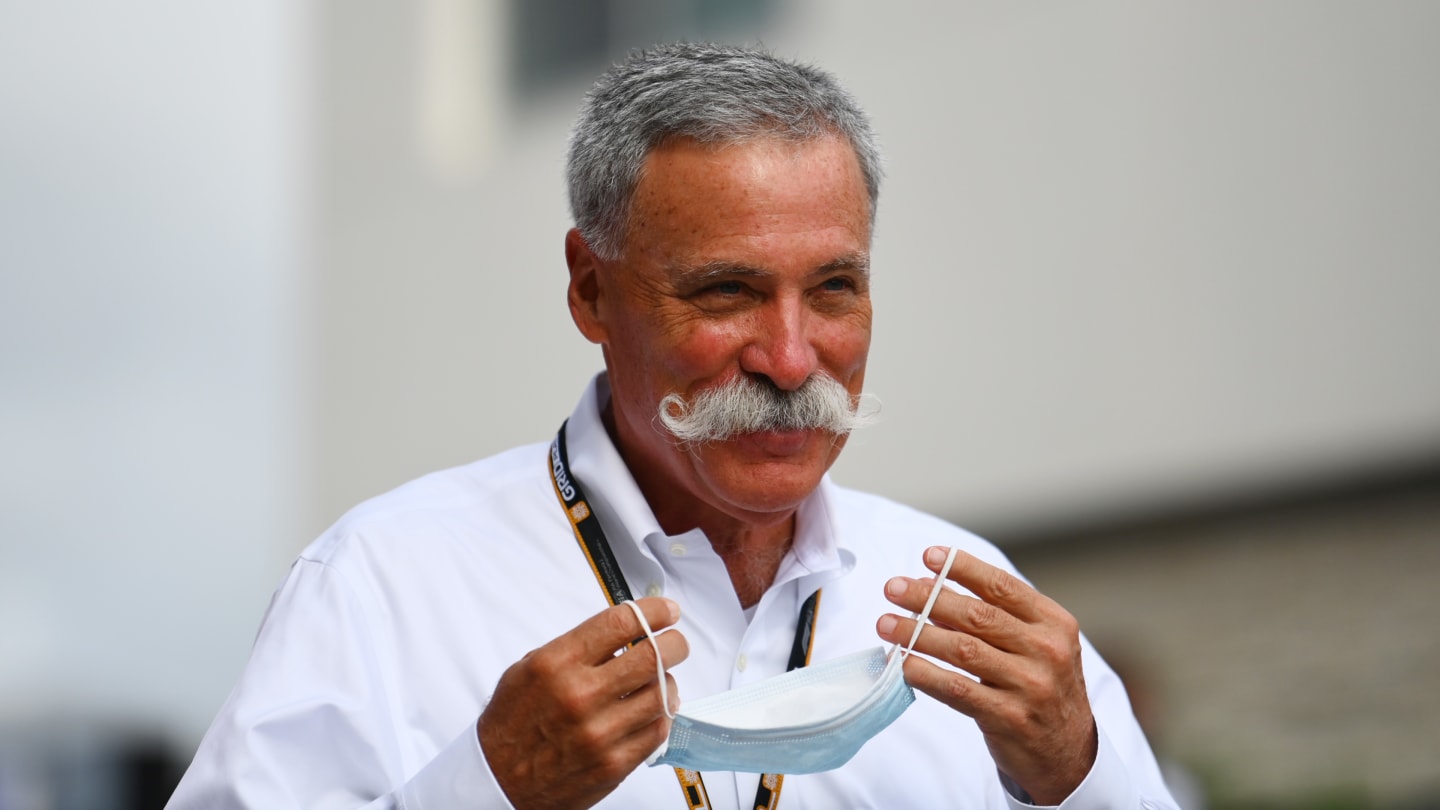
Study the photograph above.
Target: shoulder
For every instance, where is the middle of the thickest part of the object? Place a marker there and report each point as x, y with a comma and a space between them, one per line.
415, 568
879, 525
460, 506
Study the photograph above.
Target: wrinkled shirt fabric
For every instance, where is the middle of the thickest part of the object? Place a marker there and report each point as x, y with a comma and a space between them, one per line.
384, 642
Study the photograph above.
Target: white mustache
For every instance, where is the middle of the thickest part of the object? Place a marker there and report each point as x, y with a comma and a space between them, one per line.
748, 404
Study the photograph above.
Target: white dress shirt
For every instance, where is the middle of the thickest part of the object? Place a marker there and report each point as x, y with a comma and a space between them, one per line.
385, 641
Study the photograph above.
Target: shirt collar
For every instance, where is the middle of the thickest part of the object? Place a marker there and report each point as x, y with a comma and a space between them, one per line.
612, 491
616, 499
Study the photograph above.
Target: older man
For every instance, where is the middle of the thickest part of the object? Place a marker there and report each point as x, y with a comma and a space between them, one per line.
449, 644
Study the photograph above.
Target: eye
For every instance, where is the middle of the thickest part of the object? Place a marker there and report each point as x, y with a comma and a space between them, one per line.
837, 284
722, 295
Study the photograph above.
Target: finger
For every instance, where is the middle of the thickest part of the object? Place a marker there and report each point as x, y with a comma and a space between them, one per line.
636, 747
1039, 741
960, 650
956, 611
616, 739
635, 668
638, 718
644, 704
956, 690
648, 726
995, 586
596, 639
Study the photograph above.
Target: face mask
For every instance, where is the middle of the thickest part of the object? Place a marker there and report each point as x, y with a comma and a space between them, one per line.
810, 719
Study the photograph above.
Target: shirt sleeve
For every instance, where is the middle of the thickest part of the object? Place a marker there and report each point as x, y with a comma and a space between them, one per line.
1109, 785
1125, 773
458, 777
312, 722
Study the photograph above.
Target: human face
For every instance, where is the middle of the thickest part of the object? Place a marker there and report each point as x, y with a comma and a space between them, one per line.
741, 259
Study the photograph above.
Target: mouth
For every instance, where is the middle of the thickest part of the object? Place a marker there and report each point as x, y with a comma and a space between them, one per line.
778, 442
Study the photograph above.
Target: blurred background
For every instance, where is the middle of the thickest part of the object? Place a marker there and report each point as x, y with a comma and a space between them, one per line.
1155, 286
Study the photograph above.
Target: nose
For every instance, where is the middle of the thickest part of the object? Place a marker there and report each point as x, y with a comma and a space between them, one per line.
781, 346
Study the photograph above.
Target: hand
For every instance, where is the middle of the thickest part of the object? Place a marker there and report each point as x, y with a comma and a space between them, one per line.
570, 720
1030, 702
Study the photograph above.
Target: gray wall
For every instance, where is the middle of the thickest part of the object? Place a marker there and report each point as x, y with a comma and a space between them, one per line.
152, 187
1130, 256
1288, 654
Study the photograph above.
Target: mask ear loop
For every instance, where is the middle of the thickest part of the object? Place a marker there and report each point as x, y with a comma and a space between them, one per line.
660, 665
924, 615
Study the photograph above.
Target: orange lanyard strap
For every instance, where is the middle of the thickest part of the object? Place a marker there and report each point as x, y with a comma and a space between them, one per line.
591, 537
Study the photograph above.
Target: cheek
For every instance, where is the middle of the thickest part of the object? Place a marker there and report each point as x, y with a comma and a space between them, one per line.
702, 350
656, 357
844, 347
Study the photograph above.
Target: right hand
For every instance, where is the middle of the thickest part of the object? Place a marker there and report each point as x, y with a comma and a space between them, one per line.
570, 720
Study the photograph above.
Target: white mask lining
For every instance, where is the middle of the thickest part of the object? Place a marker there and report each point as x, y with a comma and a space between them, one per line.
921, 618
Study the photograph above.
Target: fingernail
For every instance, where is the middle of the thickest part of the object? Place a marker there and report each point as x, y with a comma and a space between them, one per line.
674, 608
897, 586
935, 556
886, 625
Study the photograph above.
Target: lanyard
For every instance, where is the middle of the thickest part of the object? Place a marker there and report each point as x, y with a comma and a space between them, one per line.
607, 572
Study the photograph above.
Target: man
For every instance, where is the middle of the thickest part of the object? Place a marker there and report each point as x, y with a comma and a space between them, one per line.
449, 644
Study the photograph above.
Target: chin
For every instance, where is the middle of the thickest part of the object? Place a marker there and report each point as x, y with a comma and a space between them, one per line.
768, 488
766, 473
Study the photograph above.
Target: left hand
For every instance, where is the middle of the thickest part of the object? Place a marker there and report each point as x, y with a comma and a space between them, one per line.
1030, 701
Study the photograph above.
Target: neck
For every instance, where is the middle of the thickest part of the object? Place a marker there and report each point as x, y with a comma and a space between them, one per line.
751, 547
753, 557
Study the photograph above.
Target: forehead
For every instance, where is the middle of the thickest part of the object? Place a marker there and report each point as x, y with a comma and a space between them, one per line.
752, 194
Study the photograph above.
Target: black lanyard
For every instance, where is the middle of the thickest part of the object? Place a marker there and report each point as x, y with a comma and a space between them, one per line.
607, 572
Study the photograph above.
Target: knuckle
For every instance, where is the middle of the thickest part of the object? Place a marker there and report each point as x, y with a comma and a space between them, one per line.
573, 704
1059, 650
1038, 684
573, 698
984, 616
1006, 586
965, 649
609, 769
615, 763
617, 622
541, 665
1041, 689
641, 655
593, 742
1070, 626
957, 690
1014, 715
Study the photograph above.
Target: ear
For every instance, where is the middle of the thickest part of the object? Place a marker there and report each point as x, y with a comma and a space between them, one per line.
584, 292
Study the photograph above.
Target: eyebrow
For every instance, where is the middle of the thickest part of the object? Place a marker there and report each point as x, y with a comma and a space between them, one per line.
699, 274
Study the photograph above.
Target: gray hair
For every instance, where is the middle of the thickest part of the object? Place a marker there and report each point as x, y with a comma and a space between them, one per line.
716, 94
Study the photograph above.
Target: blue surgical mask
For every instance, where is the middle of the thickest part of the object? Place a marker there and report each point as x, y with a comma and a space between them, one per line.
807, 720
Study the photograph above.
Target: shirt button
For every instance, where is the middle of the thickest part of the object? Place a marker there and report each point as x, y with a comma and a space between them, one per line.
742, 662
654, 589
678, 549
